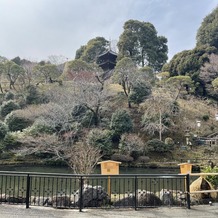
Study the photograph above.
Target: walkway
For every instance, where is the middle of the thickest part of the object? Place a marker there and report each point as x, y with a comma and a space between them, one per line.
19, 211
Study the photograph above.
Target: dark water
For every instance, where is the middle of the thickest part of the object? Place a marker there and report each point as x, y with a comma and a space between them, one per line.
49, 169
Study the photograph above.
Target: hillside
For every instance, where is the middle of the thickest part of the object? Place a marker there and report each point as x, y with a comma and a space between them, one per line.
191, 109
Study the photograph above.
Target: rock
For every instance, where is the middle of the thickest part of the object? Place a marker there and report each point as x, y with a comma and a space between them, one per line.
166, 196
40, 201
144, 198
16, 200
61, 201
93, 196
3, 197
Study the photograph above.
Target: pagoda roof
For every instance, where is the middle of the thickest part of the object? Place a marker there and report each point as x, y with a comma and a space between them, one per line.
108, 52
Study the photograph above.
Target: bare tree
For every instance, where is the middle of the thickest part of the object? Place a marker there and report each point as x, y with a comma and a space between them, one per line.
158, 111
80, 157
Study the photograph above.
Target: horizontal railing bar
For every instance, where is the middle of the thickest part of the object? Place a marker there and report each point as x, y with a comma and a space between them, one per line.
92, 175
204, 191
203, 174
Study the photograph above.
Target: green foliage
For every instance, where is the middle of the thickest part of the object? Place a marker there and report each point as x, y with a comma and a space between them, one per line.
83, 115
207, 33
139, 41
215, 83
189, 62
125, 74
46, 72
205, 117
9, 96
92, 50
140, 91
121, 122
10, 142
156, 145
16, 123
12, 72
7, 107
6, 155
32, 95
3, 130
212, 179
100, 139
38, 128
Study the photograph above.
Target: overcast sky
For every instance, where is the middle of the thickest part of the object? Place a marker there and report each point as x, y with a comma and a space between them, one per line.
35, 29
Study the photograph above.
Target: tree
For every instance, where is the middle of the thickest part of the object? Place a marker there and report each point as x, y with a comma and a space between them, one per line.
139, 41
189, 63
47, 72
208, 73
124, 74
12, 71
100, 139
140, 91
92, 50
159, 113
80, 157
3, 130
131, 144
133, 81
121, 122
180, 83
29, 75
7, 107
207, 33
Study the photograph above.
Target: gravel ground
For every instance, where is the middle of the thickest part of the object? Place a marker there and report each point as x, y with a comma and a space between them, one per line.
19, 211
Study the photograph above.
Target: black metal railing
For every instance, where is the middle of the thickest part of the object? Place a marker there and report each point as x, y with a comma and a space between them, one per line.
98, 191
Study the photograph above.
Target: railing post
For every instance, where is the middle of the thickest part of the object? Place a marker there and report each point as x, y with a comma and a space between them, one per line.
188, 191
28, 191
136, 187
81, 195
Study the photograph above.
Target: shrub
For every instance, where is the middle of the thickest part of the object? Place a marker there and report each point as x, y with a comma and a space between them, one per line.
212, 179
122, 158
6, 155
157, 146
143, 159
32, 96
7, 107
3, 130
140, 91
121, 122
132, 145
39, 127
10, 142
169, 141
205, 117
101, 139
16, 123
9, 96
81, 114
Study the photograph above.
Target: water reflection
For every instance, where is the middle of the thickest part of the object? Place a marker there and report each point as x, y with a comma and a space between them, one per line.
123, 170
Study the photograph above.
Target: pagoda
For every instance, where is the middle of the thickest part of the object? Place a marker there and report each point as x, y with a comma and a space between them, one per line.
107, 60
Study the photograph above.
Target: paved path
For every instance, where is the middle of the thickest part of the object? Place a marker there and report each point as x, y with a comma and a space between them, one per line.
19, 211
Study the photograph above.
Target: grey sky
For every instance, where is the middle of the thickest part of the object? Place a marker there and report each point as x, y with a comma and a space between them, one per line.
35, 29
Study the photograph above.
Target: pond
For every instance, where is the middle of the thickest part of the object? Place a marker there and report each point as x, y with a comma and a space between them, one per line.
123, 170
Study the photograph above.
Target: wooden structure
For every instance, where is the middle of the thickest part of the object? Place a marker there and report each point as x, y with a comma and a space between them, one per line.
185, 168
107, 60
109, 167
